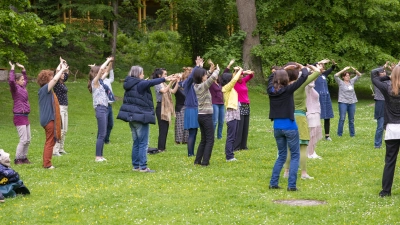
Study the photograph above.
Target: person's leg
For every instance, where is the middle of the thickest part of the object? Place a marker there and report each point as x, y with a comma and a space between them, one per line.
351, 111
221, 118
27, 143
64, 128
162, 139
281, 143
135, 146
23, 141
209, 137
215, 116
245, 133
191, 141
101, 116
49, 144
303, 162
327, 127
293, 141
342, 114
239, 134
110, 123
179, 127
143, 138
392, 149
379, 132
200, 150
231, 128
160, 128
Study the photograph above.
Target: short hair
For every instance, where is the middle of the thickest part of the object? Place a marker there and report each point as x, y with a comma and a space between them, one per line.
344, 74
44, 77
158, 73
18, 76
198, 75
135, 71
226, 78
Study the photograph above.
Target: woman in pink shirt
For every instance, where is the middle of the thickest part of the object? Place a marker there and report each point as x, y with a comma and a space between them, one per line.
21, 110
243, 97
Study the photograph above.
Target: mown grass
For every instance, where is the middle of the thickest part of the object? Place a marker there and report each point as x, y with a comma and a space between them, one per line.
81, 191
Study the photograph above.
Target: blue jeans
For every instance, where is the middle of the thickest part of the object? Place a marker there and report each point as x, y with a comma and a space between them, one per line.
218, 118
101, 116
140, 136
110, 123
285, 138
351, 110
191, 141
379, 132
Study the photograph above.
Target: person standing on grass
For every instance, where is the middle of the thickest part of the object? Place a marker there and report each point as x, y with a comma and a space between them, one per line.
100, 104
244, 106
232, 116
107, 80
281, 112
49, 111
138, 109
313, 119
218, 104
21, 110
181, 135
321, 86
391, 94
379, 111
165, 107
300, 116
61, 91
347, 99
191, 122
201, 86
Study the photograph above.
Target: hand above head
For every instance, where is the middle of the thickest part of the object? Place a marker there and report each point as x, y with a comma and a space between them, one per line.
199, 62
333, 62
217, 68
170, 78
212, 67
20, 66
64, 67
231, 62
346, 68
91, 65
110, 59
315, 68
12, 65
290, 67
299, 66
324, 61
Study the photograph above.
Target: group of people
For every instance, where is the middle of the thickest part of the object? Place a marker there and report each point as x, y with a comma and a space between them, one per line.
299, 99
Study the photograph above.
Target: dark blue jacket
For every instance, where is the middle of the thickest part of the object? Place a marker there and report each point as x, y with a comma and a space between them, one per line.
7, 175
138, 102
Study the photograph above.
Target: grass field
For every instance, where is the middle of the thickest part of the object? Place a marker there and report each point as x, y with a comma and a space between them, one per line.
82, 191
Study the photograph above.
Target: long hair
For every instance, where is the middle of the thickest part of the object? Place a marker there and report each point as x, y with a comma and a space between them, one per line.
198, 75
226, 78
281, 79
135, 71
94, 70
44, 77
293, 74
395, 78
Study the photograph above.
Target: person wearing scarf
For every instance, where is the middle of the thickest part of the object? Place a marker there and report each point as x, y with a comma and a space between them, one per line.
49, 111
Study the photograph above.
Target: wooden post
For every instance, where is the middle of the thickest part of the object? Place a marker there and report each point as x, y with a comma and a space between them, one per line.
171, 14
70, 12
144, 15
140, 14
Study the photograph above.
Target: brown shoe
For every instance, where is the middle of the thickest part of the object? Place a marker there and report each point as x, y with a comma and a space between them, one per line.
18, 161
25, 161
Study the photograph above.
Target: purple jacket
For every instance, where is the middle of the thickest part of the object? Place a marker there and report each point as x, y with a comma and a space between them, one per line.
19, 94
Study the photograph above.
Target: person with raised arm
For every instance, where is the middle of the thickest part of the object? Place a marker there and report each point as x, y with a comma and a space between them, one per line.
138, 110
108, 79
347, 99
100, 96
21, 110
181, 135
61, 91
49, 111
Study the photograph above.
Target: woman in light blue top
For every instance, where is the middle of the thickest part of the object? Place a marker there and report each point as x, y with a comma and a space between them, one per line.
347, 99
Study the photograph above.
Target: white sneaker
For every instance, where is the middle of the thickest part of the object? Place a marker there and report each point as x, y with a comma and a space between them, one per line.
231, 160
315, 156
306, 177
101, 159
328, 139
57, 154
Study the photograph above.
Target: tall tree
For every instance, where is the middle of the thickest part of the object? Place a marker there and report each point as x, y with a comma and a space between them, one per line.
248, 23
115, 28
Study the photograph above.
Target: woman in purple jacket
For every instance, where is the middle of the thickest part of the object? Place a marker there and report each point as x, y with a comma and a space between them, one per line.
21, 110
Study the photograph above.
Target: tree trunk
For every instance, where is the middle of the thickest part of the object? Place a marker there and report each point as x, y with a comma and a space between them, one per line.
248, 23
115, 28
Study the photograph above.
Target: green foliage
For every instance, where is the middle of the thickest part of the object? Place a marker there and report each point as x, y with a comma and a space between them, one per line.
20, 28
229, 49
353, 32
154, 50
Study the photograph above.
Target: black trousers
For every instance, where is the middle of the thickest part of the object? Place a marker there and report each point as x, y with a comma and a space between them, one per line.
392, 149
162, 128
230, 138
206, 145
327, 125
242, 131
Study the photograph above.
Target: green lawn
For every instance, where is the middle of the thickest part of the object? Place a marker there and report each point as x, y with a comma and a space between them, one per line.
82, 191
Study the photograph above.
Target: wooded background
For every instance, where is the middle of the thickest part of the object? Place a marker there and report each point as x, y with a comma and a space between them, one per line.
257, 33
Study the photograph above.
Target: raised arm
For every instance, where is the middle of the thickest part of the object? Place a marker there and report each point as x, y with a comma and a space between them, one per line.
11, 77
212, 78
101, 70
108, 69
342, 71
175, 85
55, 79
